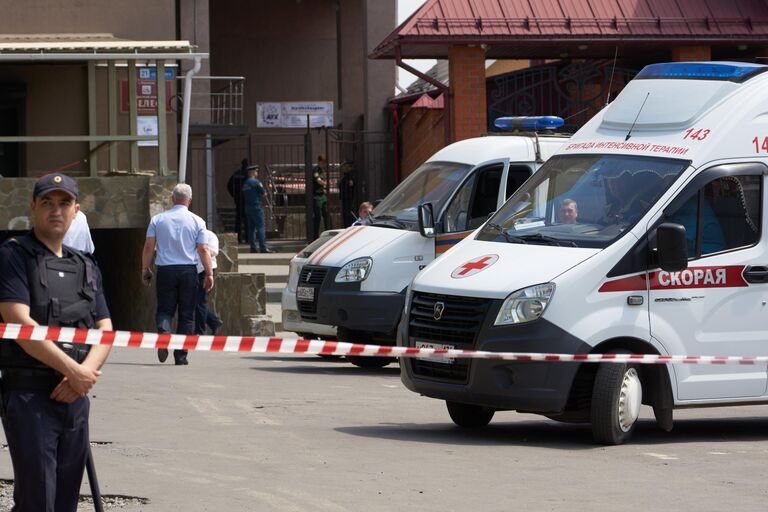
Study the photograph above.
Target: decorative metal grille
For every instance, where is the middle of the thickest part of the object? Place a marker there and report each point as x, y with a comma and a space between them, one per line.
575, 91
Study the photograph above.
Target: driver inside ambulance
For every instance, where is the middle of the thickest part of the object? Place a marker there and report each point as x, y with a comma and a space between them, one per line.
568, 212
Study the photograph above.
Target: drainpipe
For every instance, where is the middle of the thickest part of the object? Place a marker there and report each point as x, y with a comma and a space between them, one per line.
440, 86
185, 119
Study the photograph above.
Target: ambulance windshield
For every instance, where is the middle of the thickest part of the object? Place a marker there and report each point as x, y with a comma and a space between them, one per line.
582, 200
433, 182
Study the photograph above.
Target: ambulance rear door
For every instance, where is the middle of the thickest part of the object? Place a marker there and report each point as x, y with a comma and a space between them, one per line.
718, 305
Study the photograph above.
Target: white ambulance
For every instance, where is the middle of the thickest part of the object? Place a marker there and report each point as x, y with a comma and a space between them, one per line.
291, 319
357, 280
644, 234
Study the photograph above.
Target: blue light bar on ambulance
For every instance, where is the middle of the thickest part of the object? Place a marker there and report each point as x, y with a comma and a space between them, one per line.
724, 71
529, 123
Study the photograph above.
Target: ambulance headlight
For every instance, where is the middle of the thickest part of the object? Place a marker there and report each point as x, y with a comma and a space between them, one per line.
525, 305
355, 271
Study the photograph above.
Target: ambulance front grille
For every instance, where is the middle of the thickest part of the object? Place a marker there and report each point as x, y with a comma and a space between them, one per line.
311, 277
457, 325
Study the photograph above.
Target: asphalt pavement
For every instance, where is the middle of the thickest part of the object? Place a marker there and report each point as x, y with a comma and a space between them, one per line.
234, 432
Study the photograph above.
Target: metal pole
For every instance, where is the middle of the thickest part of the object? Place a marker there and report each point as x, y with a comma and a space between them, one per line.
185, 119
209, 180
309, 180
93, 482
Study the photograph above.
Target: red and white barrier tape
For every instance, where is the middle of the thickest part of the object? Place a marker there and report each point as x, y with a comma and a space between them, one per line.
267, 345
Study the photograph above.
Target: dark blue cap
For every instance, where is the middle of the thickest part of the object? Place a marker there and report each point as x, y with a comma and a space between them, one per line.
55, 181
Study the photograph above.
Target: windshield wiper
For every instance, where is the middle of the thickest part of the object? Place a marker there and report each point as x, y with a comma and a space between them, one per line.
388, 220
538, 237
509, 238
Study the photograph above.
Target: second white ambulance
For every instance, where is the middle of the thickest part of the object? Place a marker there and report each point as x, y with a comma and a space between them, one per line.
357, 280
643, 234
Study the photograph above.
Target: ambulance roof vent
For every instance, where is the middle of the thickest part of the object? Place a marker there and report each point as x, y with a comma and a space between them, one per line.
724, 71
674, 95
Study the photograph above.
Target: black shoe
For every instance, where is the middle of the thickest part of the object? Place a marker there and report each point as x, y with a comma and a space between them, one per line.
253, 251
182, 362
162, 354
267, 251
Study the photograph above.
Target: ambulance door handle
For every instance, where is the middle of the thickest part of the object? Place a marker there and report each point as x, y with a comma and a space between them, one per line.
756, 274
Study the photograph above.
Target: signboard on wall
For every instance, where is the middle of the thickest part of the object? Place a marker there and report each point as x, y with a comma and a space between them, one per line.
147, 125
293, 114
146, 91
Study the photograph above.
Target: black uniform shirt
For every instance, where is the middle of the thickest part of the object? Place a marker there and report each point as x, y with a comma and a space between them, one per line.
14, 285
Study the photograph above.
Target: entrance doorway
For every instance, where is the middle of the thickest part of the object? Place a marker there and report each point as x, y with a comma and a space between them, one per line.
12, 98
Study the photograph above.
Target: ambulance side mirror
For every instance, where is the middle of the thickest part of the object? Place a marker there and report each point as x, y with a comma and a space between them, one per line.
426, 220
672, 247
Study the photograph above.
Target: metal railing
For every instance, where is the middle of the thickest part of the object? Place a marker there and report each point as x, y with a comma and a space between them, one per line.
217, 100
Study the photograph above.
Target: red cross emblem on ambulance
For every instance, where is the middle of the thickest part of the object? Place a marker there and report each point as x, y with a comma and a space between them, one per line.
474, 266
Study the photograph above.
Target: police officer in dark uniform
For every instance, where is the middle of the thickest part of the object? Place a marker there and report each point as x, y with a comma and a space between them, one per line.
347, 193
44, 384
319, 194
235, 189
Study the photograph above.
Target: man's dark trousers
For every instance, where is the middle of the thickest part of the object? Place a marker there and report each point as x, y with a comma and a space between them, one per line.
321, 210
176, 290
55, 440
256, 227
204, 316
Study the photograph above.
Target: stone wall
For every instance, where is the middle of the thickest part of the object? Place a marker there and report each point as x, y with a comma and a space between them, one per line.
240, 300
118, 210
227, 260
111, 202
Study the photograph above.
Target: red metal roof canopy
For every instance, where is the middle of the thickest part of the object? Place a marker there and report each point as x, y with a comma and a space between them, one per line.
576, 28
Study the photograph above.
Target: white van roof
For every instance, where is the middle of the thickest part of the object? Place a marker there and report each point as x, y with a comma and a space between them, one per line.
518, 148
692, 110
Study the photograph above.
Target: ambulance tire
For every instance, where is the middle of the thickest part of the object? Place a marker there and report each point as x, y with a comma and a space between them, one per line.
469, 416
310, 336
616, 399
373, 362
370, 363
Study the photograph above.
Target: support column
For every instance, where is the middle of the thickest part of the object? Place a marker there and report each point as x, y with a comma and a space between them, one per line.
469, 111
113, 99
92, 128
691, 53
133, 128
162, 121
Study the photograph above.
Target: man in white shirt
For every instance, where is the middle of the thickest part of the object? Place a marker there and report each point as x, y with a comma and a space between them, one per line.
179, 237
204, 316
78, 236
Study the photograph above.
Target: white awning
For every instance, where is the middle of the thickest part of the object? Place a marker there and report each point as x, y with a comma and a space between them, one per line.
55, 47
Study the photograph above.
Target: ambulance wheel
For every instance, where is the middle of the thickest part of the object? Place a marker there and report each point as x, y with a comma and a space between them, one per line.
374, 362
370, 362
616, 399
469, 416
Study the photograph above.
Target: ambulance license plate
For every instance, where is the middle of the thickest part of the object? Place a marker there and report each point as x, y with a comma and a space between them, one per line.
305, 293
435, 359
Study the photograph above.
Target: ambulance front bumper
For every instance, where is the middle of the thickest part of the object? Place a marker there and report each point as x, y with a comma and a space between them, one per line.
539, 387
345, 305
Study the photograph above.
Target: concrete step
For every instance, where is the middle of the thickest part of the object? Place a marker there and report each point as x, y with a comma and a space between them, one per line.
275, 292
274, 274
276, 312
279, 246
264, 259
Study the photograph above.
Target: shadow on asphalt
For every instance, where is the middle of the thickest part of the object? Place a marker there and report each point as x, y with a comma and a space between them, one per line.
551, 434
345, 369
297, 359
